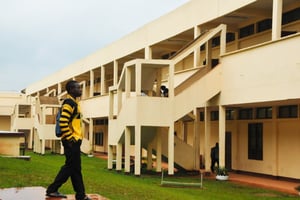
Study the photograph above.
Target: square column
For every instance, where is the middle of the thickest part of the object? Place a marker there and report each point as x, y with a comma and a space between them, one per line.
158, 151
116, 75
207, 133
91, 133
58, 88
127, 149
102, 81
171, 150
196, 142
137, 150
92, 79
138, 78
110, 157
148, 52
222, 124
197, 32
277, 18
149, 157
119, 157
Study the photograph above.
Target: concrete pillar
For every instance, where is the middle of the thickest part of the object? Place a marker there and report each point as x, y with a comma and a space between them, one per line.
171, 150
275, 142
196, 142
110, 157
128, 82
137, 150
119, 100
111, 105
209, 53
83, 96
171, 83
102, 81
222, 130
58, 88
119, 157
127, 149
158, 151
138, 78
116, 70
158, 81
207, 133
197, 32
91, 133
223, 41
148, 52
92, 79
277, 18
149, 157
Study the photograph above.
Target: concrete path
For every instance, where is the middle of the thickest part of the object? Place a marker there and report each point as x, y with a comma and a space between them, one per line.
36, 193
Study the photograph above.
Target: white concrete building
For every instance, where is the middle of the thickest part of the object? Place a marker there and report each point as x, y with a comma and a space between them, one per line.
232, 69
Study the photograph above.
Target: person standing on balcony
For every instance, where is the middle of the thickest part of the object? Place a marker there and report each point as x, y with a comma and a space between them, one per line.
70, 124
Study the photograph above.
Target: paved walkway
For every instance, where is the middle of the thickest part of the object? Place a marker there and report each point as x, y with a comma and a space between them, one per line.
266, 182
36, 193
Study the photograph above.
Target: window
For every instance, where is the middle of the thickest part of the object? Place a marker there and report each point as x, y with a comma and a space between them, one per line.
247, 30
245, 113
101, 121
255, 141
290, 111
214, 115
286, 33
201, 116
291, 16
99, 138
264, 113
215, 41
202, 48
264, 25
229, 114
230, 37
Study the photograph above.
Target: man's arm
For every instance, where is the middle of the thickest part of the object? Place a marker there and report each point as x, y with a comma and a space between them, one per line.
68, 109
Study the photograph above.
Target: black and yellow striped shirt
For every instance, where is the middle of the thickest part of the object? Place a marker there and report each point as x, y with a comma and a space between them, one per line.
70, 120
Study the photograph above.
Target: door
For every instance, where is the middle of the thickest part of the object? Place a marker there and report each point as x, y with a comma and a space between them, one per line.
228, 150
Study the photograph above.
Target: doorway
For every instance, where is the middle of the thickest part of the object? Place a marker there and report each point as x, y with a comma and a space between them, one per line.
228, 150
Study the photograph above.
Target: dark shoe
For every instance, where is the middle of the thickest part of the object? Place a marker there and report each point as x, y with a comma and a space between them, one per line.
85, 198
56, 194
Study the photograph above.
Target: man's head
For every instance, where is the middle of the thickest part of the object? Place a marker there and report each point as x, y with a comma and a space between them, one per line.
73, 88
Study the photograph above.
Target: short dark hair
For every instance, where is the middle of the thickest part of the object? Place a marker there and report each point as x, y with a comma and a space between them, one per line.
70, 84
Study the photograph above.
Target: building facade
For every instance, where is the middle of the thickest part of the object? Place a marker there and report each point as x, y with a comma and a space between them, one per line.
232, 73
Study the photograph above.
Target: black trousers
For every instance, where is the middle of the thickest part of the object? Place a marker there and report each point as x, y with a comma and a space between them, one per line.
71, 168
213, 163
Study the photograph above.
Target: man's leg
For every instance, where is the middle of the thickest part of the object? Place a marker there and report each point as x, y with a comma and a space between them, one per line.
64, 173
76, 177
212, 165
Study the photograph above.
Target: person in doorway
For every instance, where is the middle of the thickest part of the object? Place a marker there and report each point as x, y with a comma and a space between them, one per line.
70, 125
214, 156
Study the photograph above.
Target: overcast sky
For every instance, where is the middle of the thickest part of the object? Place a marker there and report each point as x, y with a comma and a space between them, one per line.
39, 37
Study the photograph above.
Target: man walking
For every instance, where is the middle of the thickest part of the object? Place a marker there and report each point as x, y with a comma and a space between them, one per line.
214, 156
70, 125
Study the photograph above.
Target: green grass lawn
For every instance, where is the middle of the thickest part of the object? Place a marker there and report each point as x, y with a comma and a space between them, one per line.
41, 170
